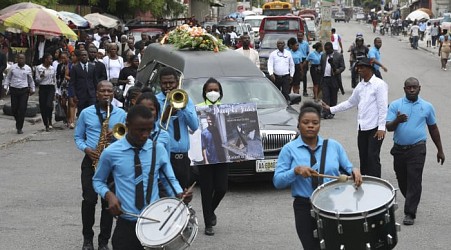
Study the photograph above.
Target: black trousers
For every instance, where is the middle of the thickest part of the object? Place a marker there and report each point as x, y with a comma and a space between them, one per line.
88, 206
19, 102
182, 170
369, 150
213, 187
284, 85
304, 77
46, 97
330, 92
408, 165
124, 237
305, 223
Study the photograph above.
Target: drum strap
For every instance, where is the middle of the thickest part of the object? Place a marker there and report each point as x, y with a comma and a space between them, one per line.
316, 181
152, 172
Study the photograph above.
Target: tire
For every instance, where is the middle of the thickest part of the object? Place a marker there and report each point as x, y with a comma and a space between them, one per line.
32, 109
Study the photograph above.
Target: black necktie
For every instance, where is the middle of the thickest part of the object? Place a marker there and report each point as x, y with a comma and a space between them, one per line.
315, 180
139, 188
176, 129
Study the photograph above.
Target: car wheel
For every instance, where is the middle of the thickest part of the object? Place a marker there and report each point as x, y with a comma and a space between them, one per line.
32, 109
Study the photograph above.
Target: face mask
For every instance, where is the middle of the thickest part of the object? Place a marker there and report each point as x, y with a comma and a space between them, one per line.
213, 96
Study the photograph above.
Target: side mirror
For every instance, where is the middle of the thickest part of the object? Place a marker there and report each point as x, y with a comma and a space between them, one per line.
295, 99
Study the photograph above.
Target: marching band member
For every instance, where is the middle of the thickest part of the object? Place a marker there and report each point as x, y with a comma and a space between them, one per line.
87, 137
300, 160
179, 122
129, 160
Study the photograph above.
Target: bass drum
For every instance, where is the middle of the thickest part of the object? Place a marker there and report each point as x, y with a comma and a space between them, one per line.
178, 232
356, 219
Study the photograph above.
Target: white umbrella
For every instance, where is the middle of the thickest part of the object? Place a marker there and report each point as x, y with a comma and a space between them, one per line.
96, 19
417, 15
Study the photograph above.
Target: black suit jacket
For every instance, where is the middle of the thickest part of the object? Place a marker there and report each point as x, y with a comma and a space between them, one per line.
339, 63
100, 71
83, 84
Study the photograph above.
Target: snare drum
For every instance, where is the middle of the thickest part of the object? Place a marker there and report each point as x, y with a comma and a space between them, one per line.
350, 218
179, 231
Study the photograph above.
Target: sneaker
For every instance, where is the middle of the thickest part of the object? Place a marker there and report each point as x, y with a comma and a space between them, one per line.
408, 220
50, 127
209, 231
87, 245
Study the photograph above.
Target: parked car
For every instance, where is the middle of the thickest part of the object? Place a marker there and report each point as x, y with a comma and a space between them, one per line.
340, 16
311, 29
360, 16
242, 82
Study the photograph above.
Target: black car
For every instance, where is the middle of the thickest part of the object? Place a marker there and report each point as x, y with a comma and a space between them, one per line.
242, 82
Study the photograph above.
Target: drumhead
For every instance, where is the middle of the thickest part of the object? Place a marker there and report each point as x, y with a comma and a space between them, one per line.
343, 198
149, 233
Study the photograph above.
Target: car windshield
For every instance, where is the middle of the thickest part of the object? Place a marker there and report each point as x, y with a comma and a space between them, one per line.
270, 40
255, 23
310, 25
240, 90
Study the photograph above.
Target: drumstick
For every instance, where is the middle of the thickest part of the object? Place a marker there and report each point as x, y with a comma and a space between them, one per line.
178, 205
141, 217
341, 178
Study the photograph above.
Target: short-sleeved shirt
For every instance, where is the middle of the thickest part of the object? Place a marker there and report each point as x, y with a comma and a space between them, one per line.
297, 56
314, 57
376, 54
419, 114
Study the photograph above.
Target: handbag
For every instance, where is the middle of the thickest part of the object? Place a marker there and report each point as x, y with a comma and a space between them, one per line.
60, 115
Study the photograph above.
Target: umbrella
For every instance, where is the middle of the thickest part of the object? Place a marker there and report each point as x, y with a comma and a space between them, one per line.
427, 11
417, 15
76, 19
37, 22
20, 6
96, 19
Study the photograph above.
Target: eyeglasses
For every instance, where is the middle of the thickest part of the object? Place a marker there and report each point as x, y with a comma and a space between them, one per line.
280, 54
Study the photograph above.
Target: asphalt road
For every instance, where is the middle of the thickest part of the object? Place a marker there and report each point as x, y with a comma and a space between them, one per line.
40, 190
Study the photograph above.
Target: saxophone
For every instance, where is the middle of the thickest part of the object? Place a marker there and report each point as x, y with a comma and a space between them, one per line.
103, 139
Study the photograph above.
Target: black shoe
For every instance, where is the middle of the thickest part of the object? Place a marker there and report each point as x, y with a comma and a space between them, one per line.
103, 247
87, 245
19, 131
47, 129
408, 220
213, 220
209, 231
305, 93
343, 92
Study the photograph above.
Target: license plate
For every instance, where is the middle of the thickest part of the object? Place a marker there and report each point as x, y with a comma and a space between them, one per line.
265, 165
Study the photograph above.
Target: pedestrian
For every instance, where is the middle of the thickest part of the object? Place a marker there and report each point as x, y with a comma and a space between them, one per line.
99, 66
179, 122
83, 82
444, 50
408, 117
19, 81
296, 54
299, 163
370, 96
375, 55
305, 50
46, 78
414, 34
427, 35
130, 161
131, 97
332, 65
127, 75
70, 90
358, 52
62, 84
314, 58
422, 29
335, 39
281, 69
88, 131
213, 175
247, 51
3, 66
434, 34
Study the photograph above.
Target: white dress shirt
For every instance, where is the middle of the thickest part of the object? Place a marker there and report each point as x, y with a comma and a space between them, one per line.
371, 99
18, 77
49, 75
280, 63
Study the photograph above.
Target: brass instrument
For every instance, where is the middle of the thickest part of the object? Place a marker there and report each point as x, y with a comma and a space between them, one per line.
119, 130
178, 99
103, 139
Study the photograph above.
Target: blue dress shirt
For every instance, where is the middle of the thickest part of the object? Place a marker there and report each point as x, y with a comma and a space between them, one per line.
376, 54
419, 114
162, 137
314, 57
87, 131
296, 153
118, 160
187, 119
297, 56
304, 49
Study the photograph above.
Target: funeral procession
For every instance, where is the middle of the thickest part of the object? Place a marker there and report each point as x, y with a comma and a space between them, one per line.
225, 124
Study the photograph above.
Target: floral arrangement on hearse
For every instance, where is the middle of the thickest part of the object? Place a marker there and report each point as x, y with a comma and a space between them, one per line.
195, 38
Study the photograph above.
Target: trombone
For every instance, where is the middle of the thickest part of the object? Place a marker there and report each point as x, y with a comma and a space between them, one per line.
178, 99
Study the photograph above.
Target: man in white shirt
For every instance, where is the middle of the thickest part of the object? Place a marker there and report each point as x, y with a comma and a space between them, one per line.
371, 98
281, 69
414, 34
247, 51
